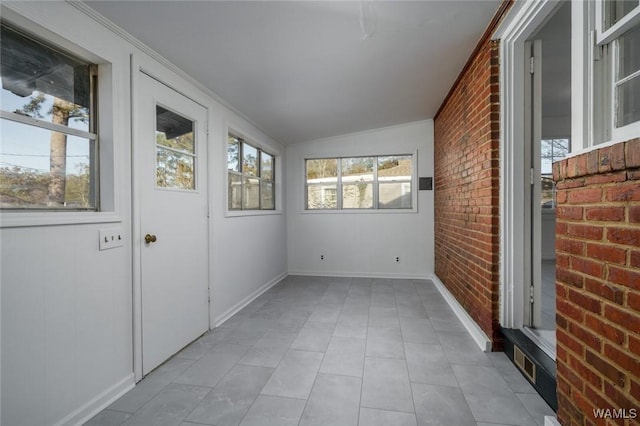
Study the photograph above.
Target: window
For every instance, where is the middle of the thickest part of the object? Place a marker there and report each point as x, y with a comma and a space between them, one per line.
48, 156
251, 174
372, 182
551, 150
618, 38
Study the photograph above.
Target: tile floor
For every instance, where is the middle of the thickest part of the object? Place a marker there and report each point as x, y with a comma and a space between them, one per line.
334, 351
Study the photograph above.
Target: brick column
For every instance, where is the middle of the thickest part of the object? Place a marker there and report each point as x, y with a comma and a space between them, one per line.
598, 285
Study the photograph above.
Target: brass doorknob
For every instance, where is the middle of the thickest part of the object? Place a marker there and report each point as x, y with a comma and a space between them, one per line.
150, 238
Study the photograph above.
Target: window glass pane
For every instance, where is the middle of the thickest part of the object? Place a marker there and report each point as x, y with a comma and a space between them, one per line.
618, 9
250, 193
42, 82
629, 51
40, 168
268, 200
322, 197
358, 169
322, 170
174, 131
174, 169
233, 154
266, 166
397, 167
394, 195
235, 191
628, 96
250, 160
357, 196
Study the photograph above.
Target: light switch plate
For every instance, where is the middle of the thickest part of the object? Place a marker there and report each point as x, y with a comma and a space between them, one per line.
111, 238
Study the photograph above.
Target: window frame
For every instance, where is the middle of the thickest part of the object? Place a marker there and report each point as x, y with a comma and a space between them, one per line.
111, 69
605, 63
375, 182
91, 134
242, 139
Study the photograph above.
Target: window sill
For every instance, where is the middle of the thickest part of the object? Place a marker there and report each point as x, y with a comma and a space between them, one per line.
33, 219
360, 211
244, 213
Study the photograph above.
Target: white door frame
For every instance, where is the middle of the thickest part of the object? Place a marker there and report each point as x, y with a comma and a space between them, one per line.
143, 64
514, 31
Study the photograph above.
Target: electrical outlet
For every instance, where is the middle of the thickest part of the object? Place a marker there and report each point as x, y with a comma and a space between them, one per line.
322, 257
397, 259
111, 238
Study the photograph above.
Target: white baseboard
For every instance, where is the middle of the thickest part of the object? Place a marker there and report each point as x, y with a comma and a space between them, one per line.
469, 324
99, 403
343, 274
220, 319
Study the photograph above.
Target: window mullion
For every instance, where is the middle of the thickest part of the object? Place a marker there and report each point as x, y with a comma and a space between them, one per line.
376, 186
339, 184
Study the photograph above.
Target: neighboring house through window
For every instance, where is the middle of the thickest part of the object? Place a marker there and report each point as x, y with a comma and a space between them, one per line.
49, 154
371, 182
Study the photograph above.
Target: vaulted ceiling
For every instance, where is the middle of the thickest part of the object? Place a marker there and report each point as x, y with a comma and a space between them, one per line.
303, 70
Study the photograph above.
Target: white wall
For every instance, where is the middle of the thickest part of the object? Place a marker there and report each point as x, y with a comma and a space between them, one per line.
362, 243
67, 339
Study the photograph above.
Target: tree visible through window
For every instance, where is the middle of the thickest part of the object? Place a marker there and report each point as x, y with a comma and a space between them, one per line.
251, 176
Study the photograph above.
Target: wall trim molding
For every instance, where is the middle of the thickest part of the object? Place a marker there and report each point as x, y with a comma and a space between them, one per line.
99, 403
479, 336
220, 319
342, 274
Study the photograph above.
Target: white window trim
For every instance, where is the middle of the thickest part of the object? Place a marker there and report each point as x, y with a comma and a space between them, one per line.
108, 201
414, 189
230, 128
606, 108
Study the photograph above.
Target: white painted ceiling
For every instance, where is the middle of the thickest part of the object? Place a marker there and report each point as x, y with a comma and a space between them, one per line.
303, 70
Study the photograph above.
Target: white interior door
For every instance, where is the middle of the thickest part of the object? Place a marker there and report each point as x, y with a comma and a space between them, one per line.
170, 161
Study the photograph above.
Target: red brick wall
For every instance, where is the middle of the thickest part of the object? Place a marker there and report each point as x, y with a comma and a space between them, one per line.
467, 190
598, 283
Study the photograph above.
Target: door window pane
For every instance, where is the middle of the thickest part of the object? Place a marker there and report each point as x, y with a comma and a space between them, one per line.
174, 169
175, 149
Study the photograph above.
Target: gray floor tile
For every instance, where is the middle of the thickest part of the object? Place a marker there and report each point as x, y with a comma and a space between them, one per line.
326, 313
536, 406
462, 349
170, 406
292, 321
314, 336
274, 411
384, 342
334, 401
344, 356
374, 417
446, 320
441, 406
383, 299
209, 369
151, 385
386, 385
295, 375
229, 401
269, 350
489, 397
428, 364
109, 418
418, 330
384, 316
